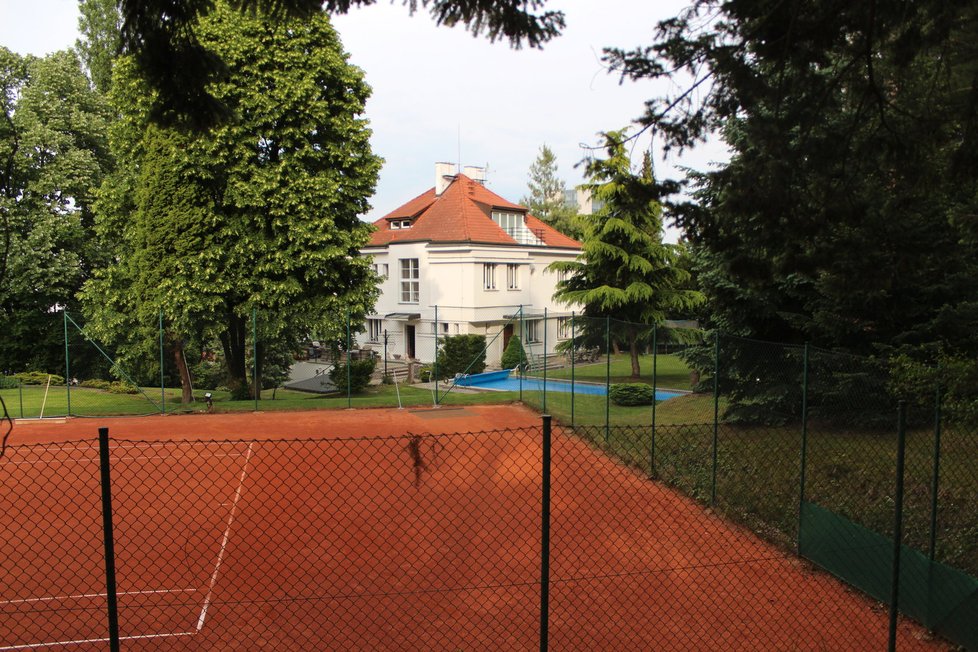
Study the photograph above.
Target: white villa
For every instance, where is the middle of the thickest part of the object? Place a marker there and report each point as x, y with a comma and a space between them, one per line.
460, 259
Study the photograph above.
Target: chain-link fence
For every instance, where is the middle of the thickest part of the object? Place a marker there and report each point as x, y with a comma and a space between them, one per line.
532, 538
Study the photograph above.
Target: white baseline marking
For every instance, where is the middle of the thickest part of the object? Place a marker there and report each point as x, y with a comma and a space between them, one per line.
224, 542
33, 646
84, 596
123, 458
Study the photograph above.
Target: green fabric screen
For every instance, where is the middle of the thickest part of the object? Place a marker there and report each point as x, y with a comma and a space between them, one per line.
945, 600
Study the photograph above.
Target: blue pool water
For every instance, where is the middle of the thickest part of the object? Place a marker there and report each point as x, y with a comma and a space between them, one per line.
500, 380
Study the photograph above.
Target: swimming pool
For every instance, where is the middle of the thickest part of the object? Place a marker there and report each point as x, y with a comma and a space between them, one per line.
500, 381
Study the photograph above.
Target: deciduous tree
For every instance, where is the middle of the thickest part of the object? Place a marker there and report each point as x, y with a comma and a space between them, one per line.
257, 214
547, 199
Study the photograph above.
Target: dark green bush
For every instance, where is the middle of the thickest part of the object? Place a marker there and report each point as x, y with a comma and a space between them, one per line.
632, 394
514, 354
360, 372
462, 354
95, 383
9, 382
39, 378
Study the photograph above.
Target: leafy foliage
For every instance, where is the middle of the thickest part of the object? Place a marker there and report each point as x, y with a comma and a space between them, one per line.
624, 269
53, 156
360, 372
462, 354
631, 394
257, 215
514, 355
841, 217
546, 200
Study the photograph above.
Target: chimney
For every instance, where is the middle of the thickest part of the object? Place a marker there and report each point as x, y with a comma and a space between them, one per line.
444, 175
477, 174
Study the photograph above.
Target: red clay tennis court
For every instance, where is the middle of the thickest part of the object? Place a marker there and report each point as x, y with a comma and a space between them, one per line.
374, 529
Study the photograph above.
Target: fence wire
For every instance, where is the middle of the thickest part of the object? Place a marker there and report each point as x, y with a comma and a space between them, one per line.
510, 539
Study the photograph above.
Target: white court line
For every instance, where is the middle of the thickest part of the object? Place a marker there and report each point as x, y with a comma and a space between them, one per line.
124, 458
33, 646
84, 596
224, 543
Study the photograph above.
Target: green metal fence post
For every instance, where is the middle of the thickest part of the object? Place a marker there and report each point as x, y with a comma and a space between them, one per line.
573, 363
436, 357
522, 352
897, 523
254, 354
607, 379
20, 390
544, 359
935, 475
349, 397
108, 539
162, 380
545, 537
804, 446
67, 361
716, 417
655, 380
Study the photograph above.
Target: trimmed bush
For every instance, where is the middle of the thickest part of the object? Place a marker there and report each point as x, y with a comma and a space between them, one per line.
39, 378
119, 387
514, 354
632, 394
95, 383
360, 372
9, 382
462, 354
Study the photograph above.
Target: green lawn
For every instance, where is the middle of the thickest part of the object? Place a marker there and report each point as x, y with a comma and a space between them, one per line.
27, 402
671, 372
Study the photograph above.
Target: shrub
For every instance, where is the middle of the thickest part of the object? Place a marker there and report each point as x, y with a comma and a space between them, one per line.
39, 378
514, 354
120, 387
360, 372
9, 382
632, 394
462, 354
95, 383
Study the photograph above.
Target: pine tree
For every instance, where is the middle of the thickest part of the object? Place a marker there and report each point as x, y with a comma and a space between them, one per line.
547, 199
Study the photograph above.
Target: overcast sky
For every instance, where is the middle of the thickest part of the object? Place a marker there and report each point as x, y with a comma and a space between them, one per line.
440, 92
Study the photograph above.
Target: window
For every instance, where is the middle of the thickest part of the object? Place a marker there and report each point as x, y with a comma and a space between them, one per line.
561, 275
533, 331
564, 328
400, 224
508, 222
385, 270
410, 281
444, 327
375, 328
489, 276
513, 277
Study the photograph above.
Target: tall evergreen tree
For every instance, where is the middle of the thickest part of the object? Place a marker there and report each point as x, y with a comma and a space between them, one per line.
547, 199
260, 213
624, 270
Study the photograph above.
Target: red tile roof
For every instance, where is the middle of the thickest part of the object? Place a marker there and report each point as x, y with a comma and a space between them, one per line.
463, 213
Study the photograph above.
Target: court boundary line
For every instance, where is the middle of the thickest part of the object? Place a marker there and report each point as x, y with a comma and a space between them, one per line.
88, 596
224, 541
83, 641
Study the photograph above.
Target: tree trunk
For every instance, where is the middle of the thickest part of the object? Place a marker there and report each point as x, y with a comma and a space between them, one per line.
233, 344
186, 387
633, 351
